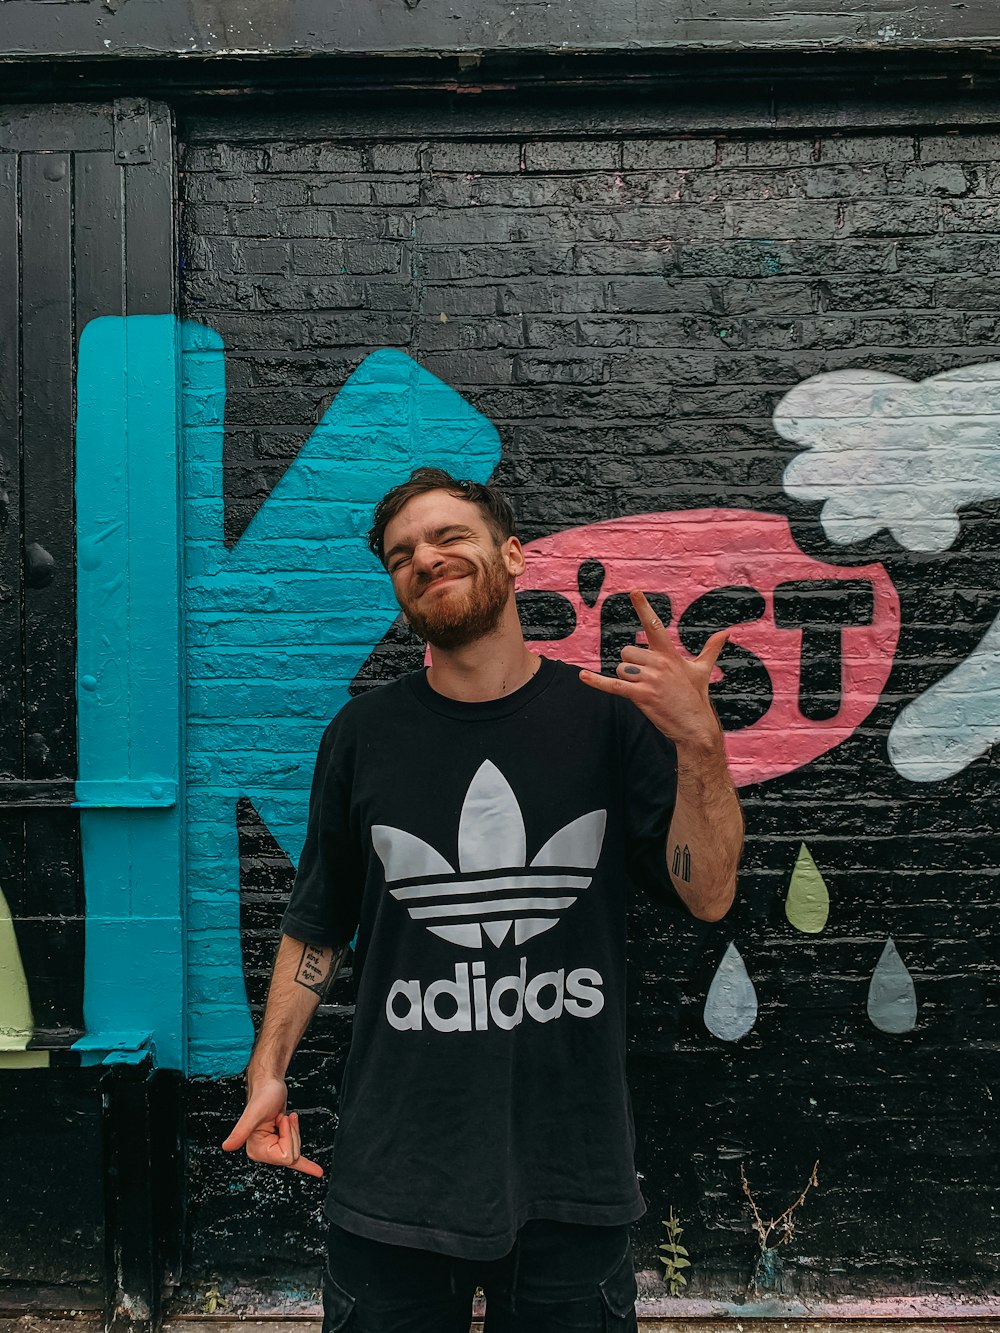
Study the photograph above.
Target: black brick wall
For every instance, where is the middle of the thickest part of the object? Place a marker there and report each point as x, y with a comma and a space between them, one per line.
628, 311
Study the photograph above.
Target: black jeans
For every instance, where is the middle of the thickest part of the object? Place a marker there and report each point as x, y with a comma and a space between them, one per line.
558, 1278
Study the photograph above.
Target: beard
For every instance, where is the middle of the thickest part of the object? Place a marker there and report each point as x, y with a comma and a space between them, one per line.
455, 620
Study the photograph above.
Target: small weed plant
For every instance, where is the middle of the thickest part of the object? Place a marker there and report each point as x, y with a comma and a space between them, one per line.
673, 1256
777, 1231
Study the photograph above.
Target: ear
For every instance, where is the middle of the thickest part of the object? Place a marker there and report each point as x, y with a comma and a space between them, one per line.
513, 555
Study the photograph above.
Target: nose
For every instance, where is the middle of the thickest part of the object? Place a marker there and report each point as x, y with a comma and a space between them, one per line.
426, 558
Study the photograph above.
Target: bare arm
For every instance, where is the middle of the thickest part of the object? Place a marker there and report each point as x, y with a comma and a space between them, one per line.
301, 977
706, 831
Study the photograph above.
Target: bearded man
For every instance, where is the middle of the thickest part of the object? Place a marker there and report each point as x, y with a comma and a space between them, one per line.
478, 829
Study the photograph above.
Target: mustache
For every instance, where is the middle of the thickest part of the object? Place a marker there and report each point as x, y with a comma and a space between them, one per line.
451, 571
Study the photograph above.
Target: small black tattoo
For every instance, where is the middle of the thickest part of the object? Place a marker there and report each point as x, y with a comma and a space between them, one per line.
317, 968
681, 866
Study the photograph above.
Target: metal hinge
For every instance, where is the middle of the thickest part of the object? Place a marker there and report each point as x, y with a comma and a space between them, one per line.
133, 132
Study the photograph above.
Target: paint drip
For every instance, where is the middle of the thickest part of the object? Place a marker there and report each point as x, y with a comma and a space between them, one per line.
731, 1004
808, 903
892, 998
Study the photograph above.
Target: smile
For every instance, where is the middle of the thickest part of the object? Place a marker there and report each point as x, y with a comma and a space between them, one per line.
444, 581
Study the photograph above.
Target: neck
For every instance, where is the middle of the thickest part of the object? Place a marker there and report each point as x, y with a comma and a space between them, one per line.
489, 668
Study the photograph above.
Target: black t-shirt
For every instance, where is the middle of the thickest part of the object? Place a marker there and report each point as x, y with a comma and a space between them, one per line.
485, 853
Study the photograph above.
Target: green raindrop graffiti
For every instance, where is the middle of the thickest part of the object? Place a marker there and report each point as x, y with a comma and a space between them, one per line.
808, 903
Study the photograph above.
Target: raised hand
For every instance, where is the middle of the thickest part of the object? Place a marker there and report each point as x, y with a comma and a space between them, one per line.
268, 1132
668, 686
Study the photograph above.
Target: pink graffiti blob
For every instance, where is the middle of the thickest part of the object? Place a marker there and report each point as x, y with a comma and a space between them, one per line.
811, 646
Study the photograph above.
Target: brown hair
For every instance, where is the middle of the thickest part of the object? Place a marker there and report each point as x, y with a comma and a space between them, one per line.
489, 499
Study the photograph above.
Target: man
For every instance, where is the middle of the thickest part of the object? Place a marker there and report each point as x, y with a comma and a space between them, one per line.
481, 826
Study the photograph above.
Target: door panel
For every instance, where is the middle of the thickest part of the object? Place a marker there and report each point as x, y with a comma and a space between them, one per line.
86, 230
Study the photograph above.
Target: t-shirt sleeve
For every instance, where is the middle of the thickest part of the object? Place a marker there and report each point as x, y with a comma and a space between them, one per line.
649, 763
325, 901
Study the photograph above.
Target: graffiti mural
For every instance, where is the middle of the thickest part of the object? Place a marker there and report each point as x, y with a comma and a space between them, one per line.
883, 453
811, 645
318, 602
285, 622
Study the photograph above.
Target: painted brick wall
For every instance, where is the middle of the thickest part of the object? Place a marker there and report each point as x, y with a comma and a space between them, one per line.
628, 312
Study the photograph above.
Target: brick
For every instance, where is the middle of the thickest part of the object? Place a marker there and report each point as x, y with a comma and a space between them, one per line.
281, 190
393, 158
711, 185
356, 190
261, 256
313, 157
767, 296
461, 300
933, 331
899, 218
661, 294
372, 257
555, 295
205, 252
660, 225
782, 220
394, 193
948, 254
867, 148
654, 154
310, 257
217, 188
960, 146
499, 261
836, 182
433, 333
877, 294
970, 215
472, 156
766, 152
573, 156
941, 178
969, 293
634, 257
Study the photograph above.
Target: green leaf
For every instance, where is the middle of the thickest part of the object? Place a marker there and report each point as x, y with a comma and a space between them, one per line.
682, 1263
680, 1278
679, 1249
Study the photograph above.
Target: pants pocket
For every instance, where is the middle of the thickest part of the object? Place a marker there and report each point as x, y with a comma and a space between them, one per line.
338, 1305
618, 1294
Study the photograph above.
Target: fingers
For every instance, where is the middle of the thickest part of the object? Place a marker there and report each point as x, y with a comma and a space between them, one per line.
605, 683
655, 630
632, 652
277, 1142
307, 1167
242, 1130
713, 647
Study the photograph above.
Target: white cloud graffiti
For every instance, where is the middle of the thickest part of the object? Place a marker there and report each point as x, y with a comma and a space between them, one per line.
884, 452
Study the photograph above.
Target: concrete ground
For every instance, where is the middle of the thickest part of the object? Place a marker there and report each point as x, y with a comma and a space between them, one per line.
84, 1322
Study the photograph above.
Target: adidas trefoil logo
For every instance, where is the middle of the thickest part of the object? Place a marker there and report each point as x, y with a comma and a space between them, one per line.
494, 890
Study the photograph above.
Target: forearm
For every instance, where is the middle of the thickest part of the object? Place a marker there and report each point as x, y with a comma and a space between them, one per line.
301, 977
706, 831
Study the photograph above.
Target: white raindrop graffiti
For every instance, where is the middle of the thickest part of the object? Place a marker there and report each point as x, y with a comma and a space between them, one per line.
892, 997
731, 1003
885, 452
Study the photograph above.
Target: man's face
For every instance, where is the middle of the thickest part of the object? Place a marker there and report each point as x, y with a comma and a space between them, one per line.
451, 578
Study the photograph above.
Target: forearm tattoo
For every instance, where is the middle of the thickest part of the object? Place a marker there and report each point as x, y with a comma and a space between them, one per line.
317, 968
681, 864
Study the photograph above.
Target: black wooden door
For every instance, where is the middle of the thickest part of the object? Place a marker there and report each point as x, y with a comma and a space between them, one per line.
86, 201
86, 229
